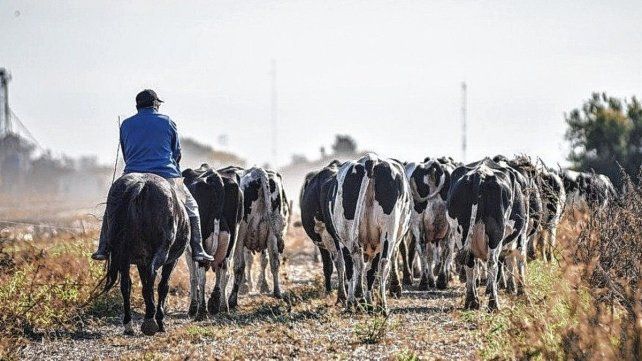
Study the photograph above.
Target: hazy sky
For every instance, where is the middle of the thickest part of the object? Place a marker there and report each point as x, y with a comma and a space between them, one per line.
386, 72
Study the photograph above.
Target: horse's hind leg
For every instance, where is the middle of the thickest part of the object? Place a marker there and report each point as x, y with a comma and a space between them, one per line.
163, 289
147, 276
126, 290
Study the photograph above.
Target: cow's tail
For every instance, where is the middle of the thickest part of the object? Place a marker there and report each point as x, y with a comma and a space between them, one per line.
361, 200
474, 209
271, 216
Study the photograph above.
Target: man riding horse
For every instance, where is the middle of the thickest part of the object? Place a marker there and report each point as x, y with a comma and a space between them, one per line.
150, 144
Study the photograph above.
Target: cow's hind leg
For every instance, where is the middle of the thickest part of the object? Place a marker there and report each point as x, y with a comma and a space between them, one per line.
444, 275
427, 258
327, 269
472, 300
163, 289
263, 284
193, 284
147, 276
275, 261
239, 270
491, 279
395, 283
125, 290
248, 282
357, 269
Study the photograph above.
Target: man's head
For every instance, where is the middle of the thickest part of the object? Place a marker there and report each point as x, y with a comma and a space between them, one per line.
147, 99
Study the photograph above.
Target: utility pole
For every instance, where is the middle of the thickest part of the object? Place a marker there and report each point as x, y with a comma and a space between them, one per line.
5, 120
274, 114
463, 121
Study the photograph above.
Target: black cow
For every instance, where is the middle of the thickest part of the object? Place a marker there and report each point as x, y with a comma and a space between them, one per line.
587, 189
487, 210
220, 205
315, 200
370, 215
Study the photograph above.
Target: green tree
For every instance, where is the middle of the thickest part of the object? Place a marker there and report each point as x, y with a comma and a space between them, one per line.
344, 145
604, 132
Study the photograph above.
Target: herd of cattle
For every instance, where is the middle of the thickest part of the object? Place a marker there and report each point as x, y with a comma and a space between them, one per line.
481, 220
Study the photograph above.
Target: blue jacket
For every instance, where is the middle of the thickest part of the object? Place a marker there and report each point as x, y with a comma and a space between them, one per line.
150, 144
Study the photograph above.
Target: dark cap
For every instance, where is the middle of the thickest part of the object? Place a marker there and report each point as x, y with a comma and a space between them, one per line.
146, 98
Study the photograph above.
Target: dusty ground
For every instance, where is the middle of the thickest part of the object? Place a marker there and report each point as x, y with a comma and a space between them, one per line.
310, 325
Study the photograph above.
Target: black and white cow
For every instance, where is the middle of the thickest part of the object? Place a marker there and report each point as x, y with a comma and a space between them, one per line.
315, 200
220, 204
370, 216
429, 228
587, 189
551, 188
263, 225
487, 211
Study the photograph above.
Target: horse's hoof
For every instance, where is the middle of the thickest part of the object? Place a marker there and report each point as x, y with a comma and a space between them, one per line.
149, 327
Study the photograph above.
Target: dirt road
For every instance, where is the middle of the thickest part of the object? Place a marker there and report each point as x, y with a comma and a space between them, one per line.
310, 325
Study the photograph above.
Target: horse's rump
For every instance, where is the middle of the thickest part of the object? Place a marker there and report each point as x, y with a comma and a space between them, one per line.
147, 225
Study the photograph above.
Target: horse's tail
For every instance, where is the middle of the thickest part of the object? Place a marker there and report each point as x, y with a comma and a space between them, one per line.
124, 219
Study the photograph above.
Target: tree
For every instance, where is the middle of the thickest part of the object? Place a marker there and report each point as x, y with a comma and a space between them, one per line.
604, 132
344, 144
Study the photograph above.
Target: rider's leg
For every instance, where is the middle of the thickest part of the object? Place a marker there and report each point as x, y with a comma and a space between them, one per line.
101, 254
196, 241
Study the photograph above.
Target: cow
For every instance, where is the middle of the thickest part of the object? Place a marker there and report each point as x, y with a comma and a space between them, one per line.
429, 228
220, 204
587, 189
487, 212
370, 215
263, 225
315, 200
551, 188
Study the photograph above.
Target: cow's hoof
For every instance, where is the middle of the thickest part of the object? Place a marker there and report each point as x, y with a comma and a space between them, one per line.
472, 303
493, 305
233, 301
442, 281
193, 308
161, 327
520, 291
149, 327
424, 285
244, 289
201, 314
510, 289
277, 294
214, 305
265, 288
407, 279
395, 291
129, 330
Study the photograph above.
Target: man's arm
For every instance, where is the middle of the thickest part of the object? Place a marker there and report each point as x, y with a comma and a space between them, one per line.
176, 144
122, 144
